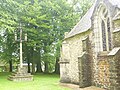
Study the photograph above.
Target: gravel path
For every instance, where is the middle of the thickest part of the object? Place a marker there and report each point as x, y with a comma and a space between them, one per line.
76, 87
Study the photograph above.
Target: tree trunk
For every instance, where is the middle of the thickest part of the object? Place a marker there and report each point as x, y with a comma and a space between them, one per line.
45, 62
28, 54
33, 68
46, 67
33, 61
10, 66
57, 66
39, 66
28, 61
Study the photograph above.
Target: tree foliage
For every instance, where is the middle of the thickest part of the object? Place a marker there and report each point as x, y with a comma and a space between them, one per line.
45, 22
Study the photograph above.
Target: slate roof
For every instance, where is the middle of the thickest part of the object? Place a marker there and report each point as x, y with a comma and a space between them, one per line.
85, 23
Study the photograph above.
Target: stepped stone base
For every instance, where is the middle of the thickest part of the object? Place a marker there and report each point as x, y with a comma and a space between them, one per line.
21, 75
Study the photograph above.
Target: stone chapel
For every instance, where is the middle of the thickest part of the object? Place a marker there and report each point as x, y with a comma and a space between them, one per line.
90, 53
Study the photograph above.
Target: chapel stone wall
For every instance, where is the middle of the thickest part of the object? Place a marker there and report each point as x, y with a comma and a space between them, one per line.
114, 60
75, 50
64, 63
100, 69
102, 77
76, 46
116, 33
114, 57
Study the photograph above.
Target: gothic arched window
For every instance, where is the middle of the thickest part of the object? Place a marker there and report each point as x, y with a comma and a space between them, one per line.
103, 36
109, 34
103, 30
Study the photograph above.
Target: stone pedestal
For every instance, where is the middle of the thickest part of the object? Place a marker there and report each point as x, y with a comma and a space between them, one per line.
64, 71
21, 75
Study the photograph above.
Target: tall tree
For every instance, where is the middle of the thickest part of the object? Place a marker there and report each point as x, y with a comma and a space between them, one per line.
45, 22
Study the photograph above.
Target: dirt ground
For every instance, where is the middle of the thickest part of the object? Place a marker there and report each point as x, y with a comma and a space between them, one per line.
76, 87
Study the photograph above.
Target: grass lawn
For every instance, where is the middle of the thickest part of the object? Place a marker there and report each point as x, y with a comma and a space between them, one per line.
41, 82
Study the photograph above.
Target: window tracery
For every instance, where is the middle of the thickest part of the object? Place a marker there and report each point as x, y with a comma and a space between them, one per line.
103, 36
103, 30
109, 34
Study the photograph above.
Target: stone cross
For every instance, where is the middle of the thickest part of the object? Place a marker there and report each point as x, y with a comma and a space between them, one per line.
21, 40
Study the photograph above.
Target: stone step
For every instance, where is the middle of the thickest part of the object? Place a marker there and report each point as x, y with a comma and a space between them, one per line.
20, 77
21, 74
24, 76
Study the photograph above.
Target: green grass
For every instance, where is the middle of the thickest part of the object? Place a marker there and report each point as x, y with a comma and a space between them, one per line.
41, 82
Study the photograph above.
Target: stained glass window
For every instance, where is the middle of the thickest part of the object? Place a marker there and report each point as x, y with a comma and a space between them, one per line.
104, 36
109, 34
